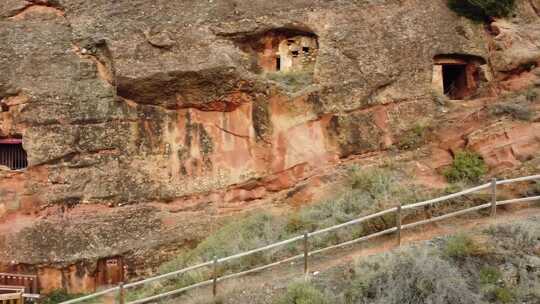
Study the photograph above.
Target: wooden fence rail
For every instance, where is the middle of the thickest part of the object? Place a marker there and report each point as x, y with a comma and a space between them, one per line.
11, 294
12, 298
121, 289
29, 282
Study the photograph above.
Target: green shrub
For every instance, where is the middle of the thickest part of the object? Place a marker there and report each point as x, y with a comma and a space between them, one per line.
360, 286
58, 296
517, 111
504, 295
342, 209
379, 183
386, 187
459, 246
412, 276
294, 80
297, 224
489, 275
521, 236
466, 167
346, 207
414, 137
302, 293
481, 10
253, 231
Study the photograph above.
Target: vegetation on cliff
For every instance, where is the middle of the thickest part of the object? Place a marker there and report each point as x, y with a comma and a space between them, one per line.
58, 296
518, 106
302, 293
367, 191
416, 136
481, 10
477, 269
142, 129
466, 167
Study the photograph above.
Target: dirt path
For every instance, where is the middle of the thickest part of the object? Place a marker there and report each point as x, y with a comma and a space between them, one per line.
272, 281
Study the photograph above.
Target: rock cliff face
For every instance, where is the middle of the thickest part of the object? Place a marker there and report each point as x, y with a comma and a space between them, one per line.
144, 121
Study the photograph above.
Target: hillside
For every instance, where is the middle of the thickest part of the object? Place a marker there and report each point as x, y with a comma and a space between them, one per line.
491, 263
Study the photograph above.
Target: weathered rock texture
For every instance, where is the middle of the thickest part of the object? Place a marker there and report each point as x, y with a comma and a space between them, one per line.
144, 121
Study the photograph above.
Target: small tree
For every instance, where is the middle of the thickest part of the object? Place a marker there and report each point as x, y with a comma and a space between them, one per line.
481, 10
467, 167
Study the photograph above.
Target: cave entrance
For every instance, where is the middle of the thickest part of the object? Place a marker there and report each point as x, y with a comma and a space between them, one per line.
454, 80
110, 271
12, 154
457, 76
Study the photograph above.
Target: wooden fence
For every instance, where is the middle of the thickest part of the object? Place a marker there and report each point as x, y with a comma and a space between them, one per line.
28, 282
121, 289
11, 294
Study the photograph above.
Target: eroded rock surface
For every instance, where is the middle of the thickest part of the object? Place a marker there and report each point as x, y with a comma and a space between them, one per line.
159, 106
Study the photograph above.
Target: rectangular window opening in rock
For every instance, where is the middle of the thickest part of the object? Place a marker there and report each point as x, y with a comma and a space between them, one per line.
455, 80
112, 263
12, 154
110, 271
457, 76
295, 50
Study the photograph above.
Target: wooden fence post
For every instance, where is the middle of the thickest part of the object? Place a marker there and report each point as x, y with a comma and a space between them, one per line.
494, 197
306, 253
35, 289
398, 224
121, 293
215, 277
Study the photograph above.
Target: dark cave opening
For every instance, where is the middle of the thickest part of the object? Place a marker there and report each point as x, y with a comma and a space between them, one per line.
455, 80
12, 154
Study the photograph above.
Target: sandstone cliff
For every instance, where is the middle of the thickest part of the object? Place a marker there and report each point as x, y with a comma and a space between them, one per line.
145, 122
